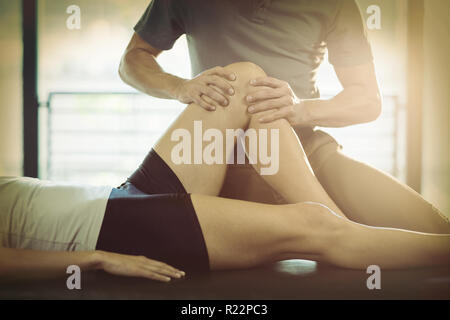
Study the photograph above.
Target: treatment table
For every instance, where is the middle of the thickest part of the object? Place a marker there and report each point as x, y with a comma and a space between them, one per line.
290, 280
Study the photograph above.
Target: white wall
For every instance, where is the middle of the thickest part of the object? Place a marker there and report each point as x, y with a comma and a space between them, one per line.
10, 88
436, 117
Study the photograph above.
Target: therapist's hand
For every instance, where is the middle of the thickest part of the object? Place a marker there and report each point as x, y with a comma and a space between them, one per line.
136, 266
274, 94
209, 89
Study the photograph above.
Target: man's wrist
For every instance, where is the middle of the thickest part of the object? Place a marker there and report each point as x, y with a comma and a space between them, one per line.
175, 87
303, 118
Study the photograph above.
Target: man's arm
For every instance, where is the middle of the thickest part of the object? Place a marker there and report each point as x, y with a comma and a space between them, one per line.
139, 69
29, 264
358, 102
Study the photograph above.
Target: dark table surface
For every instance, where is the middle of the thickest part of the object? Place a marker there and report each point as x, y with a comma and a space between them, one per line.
292, 280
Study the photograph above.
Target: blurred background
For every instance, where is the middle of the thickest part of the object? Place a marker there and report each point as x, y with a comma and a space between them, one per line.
73, 119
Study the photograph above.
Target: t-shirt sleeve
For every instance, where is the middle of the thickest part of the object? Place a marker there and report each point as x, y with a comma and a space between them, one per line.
161, 24
346, 37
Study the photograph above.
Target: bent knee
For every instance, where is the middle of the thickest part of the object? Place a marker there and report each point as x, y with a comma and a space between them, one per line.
244, 71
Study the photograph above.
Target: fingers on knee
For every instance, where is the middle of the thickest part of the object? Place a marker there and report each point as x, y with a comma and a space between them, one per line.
245, 71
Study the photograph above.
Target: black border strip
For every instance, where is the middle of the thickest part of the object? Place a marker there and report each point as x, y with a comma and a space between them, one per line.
30, 95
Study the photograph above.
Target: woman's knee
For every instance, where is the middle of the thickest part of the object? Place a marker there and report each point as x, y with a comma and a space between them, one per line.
320, 227
245, 71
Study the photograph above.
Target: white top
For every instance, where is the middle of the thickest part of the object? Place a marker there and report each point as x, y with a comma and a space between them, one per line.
42, 215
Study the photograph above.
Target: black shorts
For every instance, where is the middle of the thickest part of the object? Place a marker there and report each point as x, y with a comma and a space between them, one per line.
152, 215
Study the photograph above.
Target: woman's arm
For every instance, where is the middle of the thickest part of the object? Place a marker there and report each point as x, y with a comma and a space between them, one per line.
29, 264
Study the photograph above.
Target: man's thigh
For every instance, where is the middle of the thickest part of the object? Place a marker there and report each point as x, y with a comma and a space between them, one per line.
318, 146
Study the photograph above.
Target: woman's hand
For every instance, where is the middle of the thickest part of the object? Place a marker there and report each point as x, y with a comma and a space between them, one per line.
274, 94
209, 89
136, 266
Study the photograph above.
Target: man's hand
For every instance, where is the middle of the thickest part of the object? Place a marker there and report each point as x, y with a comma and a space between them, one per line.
274, 94
136, 266
209, 89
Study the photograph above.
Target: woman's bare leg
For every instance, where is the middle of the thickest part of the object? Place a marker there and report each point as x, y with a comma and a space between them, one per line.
240, 234
208, 179
222, 232
295, 180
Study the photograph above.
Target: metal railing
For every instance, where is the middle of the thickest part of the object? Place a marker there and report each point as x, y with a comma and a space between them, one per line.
101, 137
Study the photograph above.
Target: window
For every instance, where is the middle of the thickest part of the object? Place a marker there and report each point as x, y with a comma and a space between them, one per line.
94, 128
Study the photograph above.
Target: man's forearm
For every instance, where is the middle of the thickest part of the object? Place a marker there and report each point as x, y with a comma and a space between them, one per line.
140, 70
351, 106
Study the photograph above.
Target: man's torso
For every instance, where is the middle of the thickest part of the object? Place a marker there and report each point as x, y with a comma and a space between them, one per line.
276, 35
